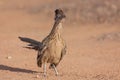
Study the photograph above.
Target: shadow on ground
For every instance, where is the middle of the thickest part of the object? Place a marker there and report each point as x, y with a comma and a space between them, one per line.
14, 69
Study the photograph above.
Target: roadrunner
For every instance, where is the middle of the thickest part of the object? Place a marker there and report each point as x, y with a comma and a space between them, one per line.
52, 48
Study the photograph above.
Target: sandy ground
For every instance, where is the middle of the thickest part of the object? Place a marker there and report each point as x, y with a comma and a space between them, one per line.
93, 50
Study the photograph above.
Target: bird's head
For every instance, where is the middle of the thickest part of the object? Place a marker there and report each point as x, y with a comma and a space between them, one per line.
59, 15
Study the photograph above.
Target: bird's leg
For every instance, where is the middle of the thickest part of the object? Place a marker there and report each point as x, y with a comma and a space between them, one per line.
44, 69
56, 72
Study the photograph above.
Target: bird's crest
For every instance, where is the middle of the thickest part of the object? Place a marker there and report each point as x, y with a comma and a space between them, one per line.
59, 14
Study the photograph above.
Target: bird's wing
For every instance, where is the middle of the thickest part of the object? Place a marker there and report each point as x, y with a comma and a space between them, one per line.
63, 52
33, 44
40, 55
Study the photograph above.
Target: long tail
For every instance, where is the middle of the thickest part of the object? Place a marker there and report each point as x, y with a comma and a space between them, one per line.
33, 44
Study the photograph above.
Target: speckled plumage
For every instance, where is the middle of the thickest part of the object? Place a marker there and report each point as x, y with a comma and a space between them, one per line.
52, 48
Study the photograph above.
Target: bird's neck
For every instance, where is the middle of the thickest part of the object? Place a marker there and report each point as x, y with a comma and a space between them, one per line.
56, 30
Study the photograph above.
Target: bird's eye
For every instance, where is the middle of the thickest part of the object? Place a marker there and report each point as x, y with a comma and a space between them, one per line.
58, 15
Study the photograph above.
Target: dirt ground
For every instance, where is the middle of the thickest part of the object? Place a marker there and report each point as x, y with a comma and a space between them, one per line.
93, 51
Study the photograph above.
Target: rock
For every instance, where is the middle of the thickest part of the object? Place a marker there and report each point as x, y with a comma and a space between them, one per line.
9, 57
37, 76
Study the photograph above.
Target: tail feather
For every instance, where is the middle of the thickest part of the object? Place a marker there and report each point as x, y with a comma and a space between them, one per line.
33, 44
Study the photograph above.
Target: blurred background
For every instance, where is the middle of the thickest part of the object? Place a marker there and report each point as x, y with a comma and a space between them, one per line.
78, 11
91, 30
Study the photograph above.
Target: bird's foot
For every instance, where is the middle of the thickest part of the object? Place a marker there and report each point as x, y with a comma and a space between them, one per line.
56, 74
44, 74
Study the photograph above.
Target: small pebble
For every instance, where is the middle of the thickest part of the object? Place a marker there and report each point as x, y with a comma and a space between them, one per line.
9, 57
37, 76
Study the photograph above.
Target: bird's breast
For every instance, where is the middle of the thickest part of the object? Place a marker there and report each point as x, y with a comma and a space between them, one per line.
55, 48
